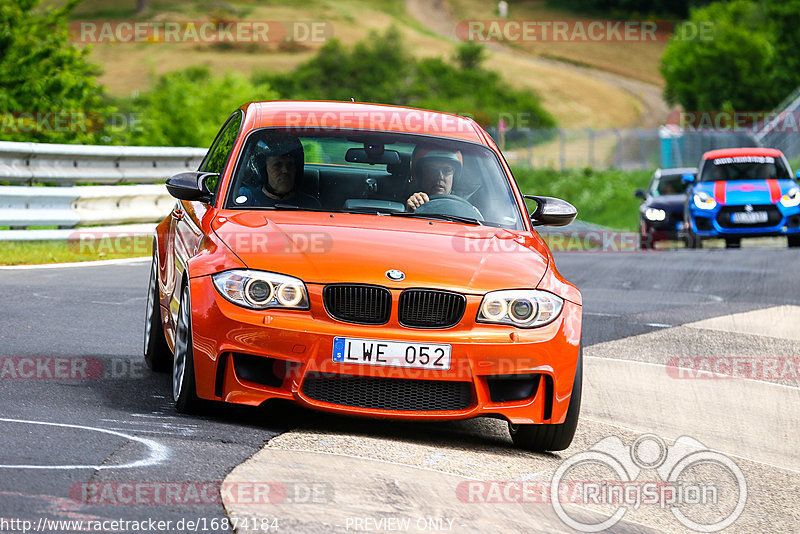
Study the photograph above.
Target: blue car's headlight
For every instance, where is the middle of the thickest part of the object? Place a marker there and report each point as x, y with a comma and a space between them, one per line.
526, 308
261, 290
791, 198
704, 201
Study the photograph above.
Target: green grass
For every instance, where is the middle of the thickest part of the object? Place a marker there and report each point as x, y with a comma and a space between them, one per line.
38, 252
601, 197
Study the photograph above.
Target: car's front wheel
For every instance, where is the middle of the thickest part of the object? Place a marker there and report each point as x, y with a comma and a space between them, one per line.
552, 437
184, 388
733, 242
157, 355
692, 240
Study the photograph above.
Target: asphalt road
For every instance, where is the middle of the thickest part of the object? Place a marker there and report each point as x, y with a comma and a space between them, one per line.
118, 426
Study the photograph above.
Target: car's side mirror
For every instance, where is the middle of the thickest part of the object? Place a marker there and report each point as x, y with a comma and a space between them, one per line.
687, 178
639, 193
191, 185
551, 211
797, 174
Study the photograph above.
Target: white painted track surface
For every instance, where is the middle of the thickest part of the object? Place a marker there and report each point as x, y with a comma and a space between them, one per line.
628, 391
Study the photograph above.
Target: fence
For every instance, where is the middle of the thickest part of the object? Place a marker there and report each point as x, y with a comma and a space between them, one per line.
29, 163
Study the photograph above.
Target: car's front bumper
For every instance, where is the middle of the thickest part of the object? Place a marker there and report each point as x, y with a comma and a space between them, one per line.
297, 348
716, 223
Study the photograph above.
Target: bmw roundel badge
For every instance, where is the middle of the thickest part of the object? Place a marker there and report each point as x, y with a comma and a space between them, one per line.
394, 274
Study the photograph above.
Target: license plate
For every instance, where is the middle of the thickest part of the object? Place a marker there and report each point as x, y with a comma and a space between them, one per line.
391, 353
753, 217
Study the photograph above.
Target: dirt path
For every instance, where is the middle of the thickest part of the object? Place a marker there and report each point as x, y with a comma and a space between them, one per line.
574, 82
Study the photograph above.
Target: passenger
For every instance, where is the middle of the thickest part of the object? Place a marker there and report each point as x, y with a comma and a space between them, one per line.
433, 172
282, 162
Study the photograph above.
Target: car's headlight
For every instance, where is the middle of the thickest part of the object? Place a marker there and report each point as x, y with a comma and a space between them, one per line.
526, 308
262, 290
792, 198
704, 201
655, 214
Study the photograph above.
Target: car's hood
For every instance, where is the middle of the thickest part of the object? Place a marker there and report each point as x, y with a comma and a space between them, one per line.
327, 248
671, 203
738, 192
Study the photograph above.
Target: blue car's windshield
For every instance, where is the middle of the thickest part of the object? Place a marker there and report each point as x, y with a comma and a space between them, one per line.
744, 168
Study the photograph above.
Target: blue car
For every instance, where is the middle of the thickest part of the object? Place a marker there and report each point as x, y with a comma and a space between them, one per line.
742, 192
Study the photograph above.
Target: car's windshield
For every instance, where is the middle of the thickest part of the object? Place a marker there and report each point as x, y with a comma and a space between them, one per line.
373, 172
744, 168
668, 184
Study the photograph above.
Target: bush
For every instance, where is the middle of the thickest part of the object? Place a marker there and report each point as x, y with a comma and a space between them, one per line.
188, 107
42, 73
380, 70
601, 197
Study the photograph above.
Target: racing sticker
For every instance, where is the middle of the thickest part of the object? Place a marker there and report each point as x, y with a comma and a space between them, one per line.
744, 159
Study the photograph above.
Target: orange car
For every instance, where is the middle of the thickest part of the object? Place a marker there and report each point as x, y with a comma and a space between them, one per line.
366, 259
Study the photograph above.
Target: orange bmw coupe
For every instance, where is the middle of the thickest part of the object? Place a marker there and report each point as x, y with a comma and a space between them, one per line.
365, 259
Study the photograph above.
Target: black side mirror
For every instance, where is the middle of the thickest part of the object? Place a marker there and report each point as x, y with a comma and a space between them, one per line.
552, 211
639, 193
190, 185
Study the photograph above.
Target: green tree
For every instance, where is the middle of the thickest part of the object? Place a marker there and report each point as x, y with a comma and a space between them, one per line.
188, 107
42, 72
748, 63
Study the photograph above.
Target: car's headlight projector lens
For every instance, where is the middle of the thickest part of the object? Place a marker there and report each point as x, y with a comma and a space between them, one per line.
526, 308
261, 290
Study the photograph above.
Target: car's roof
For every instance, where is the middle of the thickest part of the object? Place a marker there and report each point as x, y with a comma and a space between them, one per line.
676, 170
357, 115
747, 151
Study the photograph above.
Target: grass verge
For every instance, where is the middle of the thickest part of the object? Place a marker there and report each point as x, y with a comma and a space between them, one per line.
601, 197
40, 252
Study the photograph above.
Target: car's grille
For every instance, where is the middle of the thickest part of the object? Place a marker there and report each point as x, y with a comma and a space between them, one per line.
388, 393
360, 304
725, 216
430, 308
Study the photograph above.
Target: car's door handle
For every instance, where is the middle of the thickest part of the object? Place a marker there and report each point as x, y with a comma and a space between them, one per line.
177, 214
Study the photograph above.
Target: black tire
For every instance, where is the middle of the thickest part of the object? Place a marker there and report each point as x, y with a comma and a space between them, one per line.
692, 240
793, 240
184, 387
552, 437
157, 355
733, 242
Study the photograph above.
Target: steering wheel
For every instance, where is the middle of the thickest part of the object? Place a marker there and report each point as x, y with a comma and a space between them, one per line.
450, 205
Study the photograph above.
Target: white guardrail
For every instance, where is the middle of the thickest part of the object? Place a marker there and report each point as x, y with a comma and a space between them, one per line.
23, 206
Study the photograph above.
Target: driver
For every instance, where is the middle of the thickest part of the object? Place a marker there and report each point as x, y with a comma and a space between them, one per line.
434, 172
283, 163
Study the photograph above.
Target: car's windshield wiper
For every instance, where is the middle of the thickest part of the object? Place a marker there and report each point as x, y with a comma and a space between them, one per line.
440, 216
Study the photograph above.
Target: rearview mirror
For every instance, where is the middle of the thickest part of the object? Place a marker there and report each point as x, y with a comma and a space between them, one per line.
639, 193
552, 211
190, 185
373, 156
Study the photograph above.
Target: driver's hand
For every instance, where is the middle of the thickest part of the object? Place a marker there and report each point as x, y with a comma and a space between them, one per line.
416, 200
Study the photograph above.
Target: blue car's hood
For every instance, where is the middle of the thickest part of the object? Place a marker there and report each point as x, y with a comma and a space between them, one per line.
739, 192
